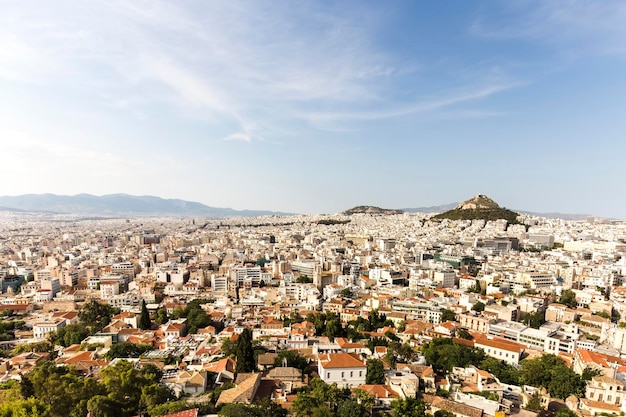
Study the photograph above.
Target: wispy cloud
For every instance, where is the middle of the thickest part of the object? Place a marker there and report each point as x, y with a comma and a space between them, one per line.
259, 70
419, 106
587, 27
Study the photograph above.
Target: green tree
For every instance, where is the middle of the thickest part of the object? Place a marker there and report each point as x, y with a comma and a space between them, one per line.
408, 407
400, 352
568, 298
402, 326
444, 413
444, 354
103, 406
322, 411
304, 404
507, 374
478, 306
334, 329
565, 412
448, 315
589, 373
303, 279
153, 395
535, 320
375, 372
170, 408
364, 398
126, 350
64, 390
43, 346
244, 352
160, 317
24, 408
350, 408
534, 403
96, 316
144, 318
293, 358
263, 408
72, 334
125, 385
476, 288
464, 334
550, 372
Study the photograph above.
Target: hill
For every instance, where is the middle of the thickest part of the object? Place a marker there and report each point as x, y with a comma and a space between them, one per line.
371, 210
121, 205
478, 207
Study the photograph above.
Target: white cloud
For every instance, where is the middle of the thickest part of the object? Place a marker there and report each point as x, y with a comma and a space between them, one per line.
419, 106
584, 27
263, 68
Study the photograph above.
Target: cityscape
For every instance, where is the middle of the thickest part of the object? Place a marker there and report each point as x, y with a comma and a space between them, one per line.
312, 208
365, 312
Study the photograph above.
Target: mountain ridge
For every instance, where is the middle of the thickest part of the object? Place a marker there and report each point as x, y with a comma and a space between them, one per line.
120, 204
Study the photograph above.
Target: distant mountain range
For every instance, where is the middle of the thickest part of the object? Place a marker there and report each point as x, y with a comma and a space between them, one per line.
113, 205
431, 209
120, 205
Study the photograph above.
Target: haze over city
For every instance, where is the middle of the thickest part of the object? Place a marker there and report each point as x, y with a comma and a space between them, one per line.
315, 107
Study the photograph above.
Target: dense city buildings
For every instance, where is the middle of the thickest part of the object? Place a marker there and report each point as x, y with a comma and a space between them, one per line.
340, 294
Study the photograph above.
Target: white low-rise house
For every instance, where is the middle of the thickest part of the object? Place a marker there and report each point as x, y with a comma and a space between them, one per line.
501, 349
43, 296
41, 329
402, 381
344, 369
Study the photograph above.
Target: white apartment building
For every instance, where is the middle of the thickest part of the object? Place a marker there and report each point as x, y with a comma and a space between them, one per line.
108, 289
51, 284
246, 276
219, 283
381, 276
445, 279
537, 280
124, 268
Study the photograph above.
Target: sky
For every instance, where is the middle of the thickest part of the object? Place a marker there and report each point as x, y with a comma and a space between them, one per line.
317, 106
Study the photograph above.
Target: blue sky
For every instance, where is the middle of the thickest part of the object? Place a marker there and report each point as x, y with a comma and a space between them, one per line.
315, 107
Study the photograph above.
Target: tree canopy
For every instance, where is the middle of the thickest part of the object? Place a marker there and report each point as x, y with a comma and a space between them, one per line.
293, 358
568, 298
551, 373
375, 372
96, 316
244, 352
144, 318
444, 354
121, 391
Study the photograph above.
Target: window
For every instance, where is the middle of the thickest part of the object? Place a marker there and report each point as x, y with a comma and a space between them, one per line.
360, 373
342, 374
351, 374
328, 375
